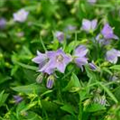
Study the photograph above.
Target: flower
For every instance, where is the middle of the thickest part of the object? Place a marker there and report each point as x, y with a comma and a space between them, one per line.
92, 1
50, 81
70, 28
80, 56
17, 99
89, 26
41, 59
112, 55
57, 59
107, 32
2, 23
20, 16
60, 36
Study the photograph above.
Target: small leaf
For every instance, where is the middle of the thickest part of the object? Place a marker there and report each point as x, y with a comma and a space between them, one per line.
94, 107
115, 67
29, 89
68, 108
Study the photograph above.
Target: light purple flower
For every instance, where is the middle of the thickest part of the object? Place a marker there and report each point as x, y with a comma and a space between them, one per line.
107, 32
17, 99
89, 26
60, 36
70, 28
80, 56
92, 1
57, 60
40, 59
112, 55
20, 16
2, 23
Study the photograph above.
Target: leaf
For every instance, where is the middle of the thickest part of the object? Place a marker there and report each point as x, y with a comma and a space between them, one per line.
3, 97
117, 93
29, 89
26, 66
49, 106
33, 116
69, 109
76, 80
94, 107
108, 92
115, 67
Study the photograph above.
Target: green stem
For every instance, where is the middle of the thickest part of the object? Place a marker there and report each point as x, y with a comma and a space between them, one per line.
43, 45
80, 110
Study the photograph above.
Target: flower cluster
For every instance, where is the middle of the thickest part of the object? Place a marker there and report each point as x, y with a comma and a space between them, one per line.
58, 60
103, 38
52, 61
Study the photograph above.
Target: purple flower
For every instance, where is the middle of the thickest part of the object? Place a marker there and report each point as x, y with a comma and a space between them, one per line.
92, 1
2, 23
20, 16
17, 99
89, 26
60, 36
50, 81
40, 59
107, 32
80, 56
112, 55
70, 28
57, 60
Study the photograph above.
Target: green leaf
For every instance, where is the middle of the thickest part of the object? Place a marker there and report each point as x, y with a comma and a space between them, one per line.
69, 109
29, 89
49, 106
76, 80
3, 97
94, 107
115, 67
26, 66
108, 92
33, 116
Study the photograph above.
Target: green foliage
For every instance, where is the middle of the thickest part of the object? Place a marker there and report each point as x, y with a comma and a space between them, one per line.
77, 94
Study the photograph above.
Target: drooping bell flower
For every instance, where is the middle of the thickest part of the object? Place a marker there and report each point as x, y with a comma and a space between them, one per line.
57, 60
80, 56
106, 35
89, 26
112, 56
21, 15
17, 99
107, 32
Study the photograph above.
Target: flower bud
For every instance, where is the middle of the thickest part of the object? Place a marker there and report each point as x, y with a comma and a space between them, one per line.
50, 82
39, 78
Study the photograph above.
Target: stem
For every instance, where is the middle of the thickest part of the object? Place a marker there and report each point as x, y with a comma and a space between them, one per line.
43, 45
80, 109
75, 42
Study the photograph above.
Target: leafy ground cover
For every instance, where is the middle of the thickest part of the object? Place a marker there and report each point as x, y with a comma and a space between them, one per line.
59, 60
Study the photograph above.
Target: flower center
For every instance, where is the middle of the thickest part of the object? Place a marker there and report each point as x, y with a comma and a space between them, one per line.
59, 58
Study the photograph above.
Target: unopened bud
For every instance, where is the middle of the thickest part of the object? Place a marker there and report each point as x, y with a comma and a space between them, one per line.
50, 81
39, 78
